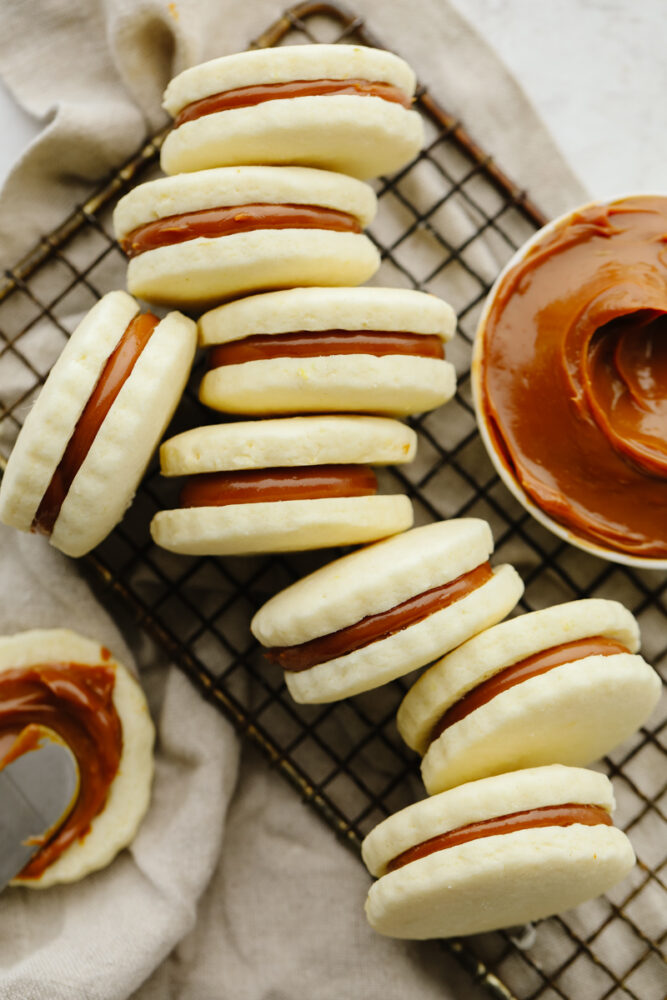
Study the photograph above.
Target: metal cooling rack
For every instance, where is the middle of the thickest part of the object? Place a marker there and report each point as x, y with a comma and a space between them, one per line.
446, 224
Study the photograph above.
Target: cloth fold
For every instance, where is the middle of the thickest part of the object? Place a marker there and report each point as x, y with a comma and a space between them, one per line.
283, 912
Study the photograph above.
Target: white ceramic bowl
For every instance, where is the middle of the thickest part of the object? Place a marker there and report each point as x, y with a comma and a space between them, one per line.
512, 484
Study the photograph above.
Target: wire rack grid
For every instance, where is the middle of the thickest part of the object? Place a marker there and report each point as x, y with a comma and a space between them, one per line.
447, 222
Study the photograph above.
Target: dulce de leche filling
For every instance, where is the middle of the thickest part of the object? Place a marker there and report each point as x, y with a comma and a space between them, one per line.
323, 343
526, 819
117, 369
75, 701
247, 97
522, 670
226, 221
218, 489
379, 626
574, 374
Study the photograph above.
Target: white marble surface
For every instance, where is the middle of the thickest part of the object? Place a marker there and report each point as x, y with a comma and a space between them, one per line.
595, 70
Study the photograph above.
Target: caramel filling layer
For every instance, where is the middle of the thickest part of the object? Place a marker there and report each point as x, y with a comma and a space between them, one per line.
527, 819
77, 702
315, 482
531, 666
248, 97
213, 222
117, 369
323, 343
374, 627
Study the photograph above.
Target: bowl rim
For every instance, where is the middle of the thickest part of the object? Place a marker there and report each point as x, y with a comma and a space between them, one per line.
506, 476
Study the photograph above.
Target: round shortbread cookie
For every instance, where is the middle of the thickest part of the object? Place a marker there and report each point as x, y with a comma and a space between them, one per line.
129, 793
496, 881
396, 310
476, 801
288, 442
227, 186
201, 272
573, 713
106, 482
393, 385
284, 64
487, 654
386, 659
363, 136
374, 579
282, 526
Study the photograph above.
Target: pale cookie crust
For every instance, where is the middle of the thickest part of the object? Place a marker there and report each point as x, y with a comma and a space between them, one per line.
293, 441
49, 424
395, 385
489, 653
384, 660
573, 714
499, 881
284, 526
291, 310
129, 793
284, 64
475, 801
227, 186
105, 484
374, 579
202, 272
362, 136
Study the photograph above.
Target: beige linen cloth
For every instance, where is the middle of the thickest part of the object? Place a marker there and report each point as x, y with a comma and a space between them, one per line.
262, 902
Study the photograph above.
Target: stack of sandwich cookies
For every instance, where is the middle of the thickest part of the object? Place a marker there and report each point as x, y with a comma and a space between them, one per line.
104, 407
341, 107
375, 615
372, 350
495, 853
97, 708
283, 485
560, 685
198, 239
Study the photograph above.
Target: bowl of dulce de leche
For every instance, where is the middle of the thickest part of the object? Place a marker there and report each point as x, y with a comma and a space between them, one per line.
570, 378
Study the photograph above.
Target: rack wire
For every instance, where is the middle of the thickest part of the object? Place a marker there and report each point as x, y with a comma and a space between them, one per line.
447, 222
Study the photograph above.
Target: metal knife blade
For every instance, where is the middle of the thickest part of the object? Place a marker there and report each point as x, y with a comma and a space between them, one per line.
38, 788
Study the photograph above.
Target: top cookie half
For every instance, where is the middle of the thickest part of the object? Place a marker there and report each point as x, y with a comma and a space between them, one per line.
340, 107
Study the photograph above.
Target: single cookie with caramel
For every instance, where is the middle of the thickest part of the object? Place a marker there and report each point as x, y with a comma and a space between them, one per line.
306, 350
199, 239
74, 686
283, 485
560, 685
341, 107
385, 610
99, 417
495, 853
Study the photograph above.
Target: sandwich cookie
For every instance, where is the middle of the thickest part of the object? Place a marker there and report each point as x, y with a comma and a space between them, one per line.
495, 853
560, 685
197, 239
368, 350
341, 107
283, 485
385, 610
104, 407
59, 679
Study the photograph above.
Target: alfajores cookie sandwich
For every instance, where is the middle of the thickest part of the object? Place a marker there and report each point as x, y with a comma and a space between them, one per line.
495, 853
560, 685
385, 610
98, 419
300, 350
283, 485
198, 239
341, 107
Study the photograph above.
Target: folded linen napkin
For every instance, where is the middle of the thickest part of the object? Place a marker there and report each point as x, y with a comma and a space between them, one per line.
283, 913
